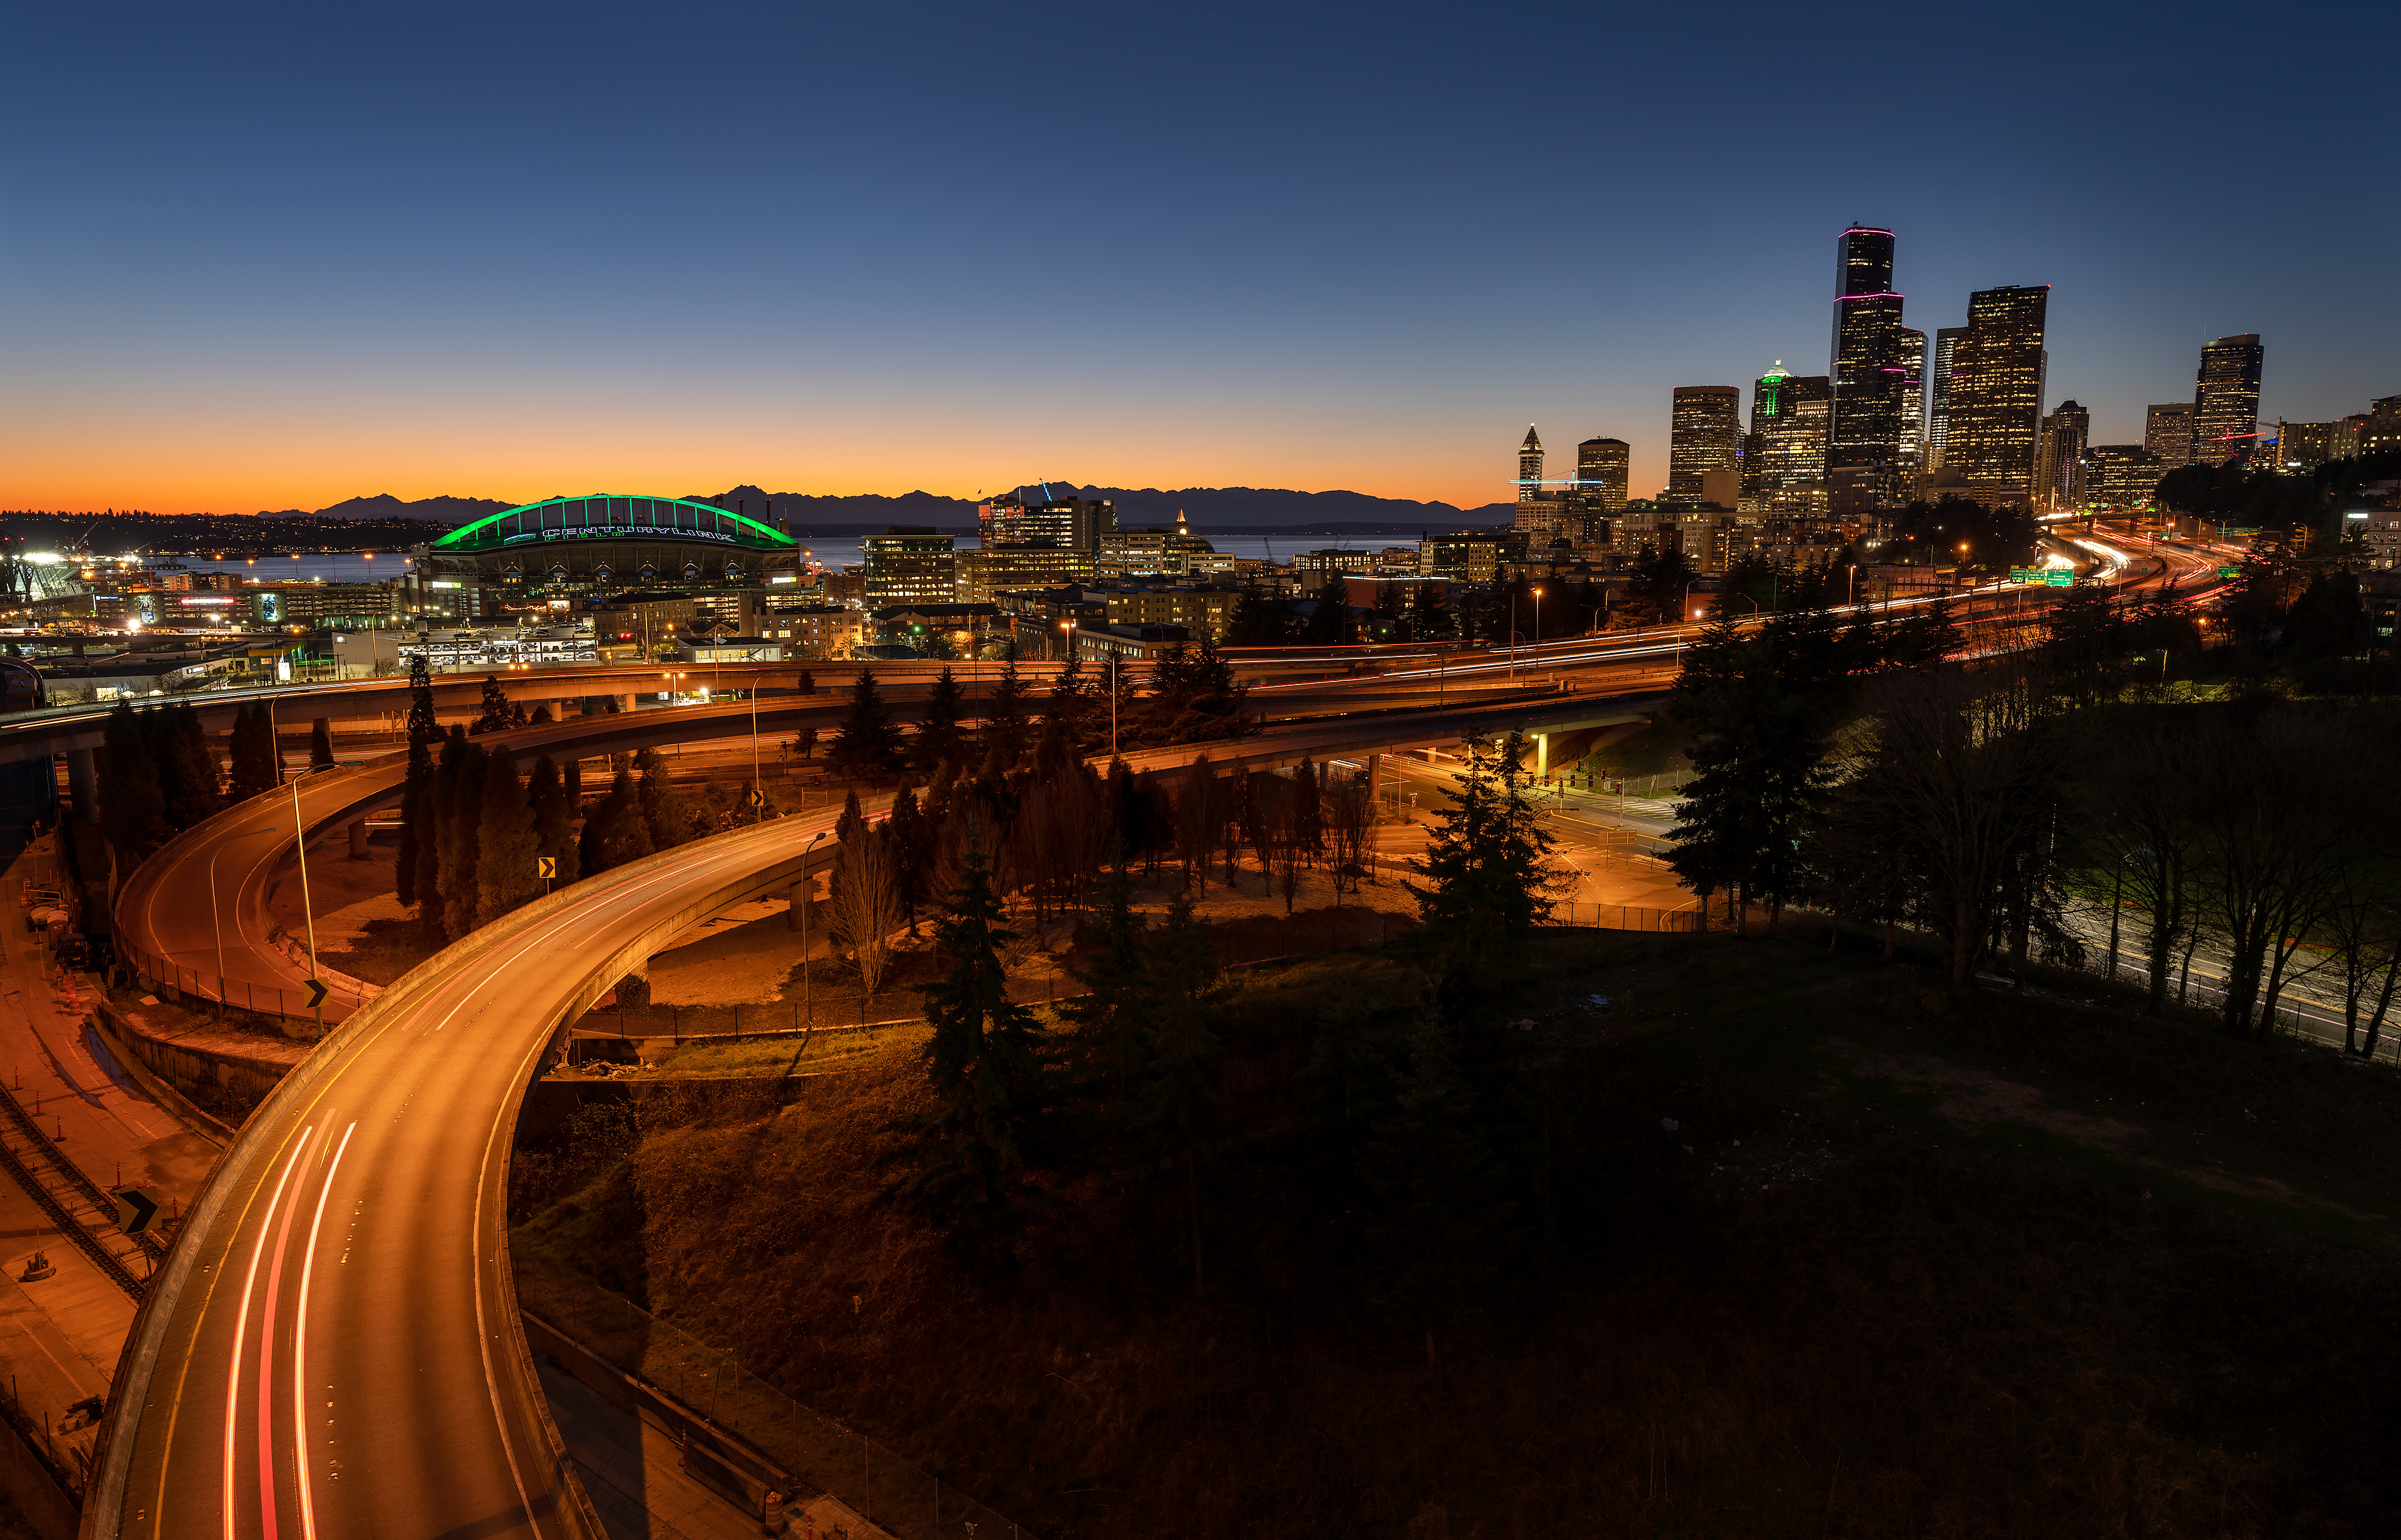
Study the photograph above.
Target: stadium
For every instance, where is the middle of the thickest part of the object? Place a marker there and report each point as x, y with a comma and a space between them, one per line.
594, 546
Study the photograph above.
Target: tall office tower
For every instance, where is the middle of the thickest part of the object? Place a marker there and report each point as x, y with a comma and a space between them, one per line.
1601, 470
1529, 466
1912, 386
1997, 379
2167, 432
1704, 435
1783, 464
2059, 468
2226, 399
1938, 394
1870, 365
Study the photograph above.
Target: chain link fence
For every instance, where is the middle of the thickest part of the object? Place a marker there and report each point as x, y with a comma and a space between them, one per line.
202, 989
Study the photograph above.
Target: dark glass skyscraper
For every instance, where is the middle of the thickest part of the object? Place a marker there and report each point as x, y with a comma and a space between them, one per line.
1938, 394
1876, 365
1996, 393
2226, 399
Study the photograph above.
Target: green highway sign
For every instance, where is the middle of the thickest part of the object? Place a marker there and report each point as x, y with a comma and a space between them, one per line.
2230, 572
2025, 574
2059, 577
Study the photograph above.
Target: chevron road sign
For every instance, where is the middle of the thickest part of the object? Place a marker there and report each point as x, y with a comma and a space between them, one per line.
137, 1208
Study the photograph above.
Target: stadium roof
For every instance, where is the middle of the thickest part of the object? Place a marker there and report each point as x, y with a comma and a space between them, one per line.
608, 515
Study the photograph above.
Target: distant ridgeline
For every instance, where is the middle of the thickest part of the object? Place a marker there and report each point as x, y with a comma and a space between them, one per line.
383, 520
122, 532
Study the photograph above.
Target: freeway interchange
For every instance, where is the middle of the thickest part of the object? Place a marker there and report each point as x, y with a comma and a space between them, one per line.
332, 1345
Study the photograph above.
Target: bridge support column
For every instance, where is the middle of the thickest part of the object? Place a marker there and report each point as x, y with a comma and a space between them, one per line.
83, 784
1542, 756
1375, 780
358, 839
625, 702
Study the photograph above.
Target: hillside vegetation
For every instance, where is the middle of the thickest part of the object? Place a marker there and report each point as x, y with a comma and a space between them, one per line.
1715, 1236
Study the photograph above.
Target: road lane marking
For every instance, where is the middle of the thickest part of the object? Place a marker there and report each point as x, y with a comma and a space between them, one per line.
241, 1326
300, 1344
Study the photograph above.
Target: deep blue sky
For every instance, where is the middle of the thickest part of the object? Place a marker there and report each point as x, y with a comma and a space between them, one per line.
265, 258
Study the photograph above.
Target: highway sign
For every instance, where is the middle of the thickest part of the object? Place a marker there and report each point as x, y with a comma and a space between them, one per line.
317, 992
2230, 572
137, 1207
2025, 574
2058, 577
546, 866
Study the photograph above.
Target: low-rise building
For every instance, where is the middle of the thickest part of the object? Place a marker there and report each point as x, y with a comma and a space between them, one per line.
963, 628
1469, 555
824, 633
910, 565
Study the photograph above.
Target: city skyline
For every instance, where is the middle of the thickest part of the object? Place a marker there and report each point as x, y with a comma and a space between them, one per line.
272, 276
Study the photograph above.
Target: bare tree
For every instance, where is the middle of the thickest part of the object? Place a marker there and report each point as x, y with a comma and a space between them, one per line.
1349, 816
2283, 794
866, 906
2139, 816
1965, 766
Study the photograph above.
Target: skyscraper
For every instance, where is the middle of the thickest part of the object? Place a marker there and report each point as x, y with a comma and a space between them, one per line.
2226, 399
1996, 393
1601, 468
1784, 459
1704, 435
2059, 468
1529, 466
2167, 432
1938, 394
1875, 361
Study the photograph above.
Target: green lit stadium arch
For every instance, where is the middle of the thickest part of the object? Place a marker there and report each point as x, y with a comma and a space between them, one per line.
608, 516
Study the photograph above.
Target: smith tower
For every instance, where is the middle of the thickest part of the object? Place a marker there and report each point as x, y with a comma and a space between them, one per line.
1529, 467
1877, 364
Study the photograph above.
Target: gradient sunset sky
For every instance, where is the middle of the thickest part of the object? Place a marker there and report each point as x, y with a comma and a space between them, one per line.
265, 258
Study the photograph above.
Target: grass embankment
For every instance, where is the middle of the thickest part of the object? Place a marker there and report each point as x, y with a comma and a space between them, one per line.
2006, 1267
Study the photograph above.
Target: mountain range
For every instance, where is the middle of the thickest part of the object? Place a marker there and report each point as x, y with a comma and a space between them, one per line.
1226, 509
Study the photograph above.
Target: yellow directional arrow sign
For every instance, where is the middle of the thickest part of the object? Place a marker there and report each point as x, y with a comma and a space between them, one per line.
317, 993
546, 866
137, 1207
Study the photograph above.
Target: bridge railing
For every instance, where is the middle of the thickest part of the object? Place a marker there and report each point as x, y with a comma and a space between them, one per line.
202, 989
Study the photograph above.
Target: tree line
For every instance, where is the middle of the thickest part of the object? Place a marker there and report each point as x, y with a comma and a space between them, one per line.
2044, 806
1383, 1125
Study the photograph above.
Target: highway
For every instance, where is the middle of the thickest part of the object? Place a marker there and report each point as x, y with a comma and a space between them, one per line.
332, 1346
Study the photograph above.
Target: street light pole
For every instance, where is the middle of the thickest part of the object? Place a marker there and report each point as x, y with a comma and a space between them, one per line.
308, 911
216, 918
808, 890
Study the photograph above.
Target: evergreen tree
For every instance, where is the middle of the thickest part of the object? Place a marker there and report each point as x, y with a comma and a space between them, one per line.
1111, 1018
1004, 717
132, 809
432, 838
972, 1153
415, 820
321, 744
1487, 865
868, 745
493, 712
554, 818
614, 833
665, 822
507, 841
422, 726
940, 739
1179, 1125
912, 839
807, 684
187, 772
257, 765
1329, 617
460, 795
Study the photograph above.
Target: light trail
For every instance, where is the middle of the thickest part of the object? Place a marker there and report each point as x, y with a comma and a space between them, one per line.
240, 1329
300, 1344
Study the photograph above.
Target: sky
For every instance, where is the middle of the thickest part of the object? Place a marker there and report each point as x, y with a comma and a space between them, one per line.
259, 259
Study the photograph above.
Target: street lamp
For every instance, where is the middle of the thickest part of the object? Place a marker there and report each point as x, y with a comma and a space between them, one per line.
1537, 615
807, 889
